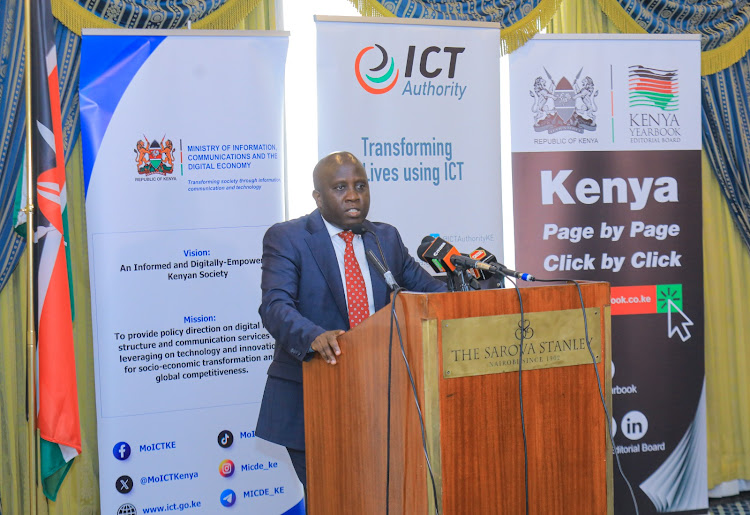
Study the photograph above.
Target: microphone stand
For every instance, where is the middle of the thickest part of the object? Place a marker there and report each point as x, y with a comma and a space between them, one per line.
450, 276
458, 280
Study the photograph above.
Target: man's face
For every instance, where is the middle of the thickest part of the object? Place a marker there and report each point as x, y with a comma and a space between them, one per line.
343, 196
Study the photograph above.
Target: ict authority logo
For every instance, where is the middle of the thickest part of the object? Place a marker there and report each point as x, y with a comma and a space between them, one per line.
154, 158
376, 82
428, 71
564, 106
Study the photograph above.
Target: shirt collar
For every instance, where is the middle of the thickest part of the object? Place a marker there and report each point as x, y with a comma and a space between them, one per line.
332, 229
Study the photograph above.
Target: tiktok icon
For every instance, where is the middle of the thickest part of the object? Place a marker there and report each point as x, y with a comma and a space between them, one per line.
225, 438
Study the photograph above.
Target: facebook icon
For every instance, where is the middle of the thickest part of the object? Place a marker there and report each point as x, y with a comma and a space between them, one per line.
121, 451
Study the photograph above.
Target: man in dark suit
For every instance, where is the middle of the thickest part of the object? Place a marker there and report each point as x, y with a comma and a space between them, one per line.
317, 284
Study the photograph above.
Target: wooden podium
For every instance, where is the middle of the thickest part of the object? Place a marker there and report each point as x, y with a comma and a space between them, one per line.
471, 411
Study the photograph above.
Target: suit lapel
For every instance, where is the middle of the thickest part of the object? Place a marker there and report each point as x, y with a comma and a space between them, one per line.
379, 287
319, 242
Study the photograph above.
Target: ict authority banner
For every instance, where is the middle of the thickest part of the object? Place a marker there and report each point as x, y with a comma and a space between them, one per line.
182, 150
607, 186
419, 104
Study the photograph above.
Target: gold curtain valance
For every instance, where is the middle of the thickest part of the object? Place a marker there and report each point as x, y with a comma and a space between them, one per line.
511, 38
712, 61
228, 16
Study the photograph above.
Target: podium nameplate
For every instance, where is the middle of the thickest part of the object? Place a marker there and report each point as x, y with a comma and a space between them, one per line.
491, 345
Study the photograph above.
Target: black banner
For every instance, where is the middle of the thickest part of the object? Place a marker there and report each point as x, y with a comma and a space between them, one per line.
632, 218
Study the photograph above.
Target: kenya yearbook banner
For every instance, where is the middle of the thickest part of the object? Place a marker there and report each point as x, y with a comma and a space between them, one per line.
607, 186
182, 149
419, 104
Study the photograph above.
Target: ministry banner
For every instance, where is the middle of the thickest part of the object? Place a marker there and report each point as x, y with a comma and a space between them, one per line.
607, 186
419, 104
183, 159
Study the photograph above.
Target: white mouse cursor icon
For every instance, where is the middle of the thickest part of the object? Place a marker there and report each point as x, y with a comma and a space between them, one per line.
679, 327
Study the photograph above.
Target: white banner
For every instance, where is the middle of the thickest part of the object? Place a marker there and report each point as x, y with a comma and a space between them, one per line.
182, 143
594, 93
419, 105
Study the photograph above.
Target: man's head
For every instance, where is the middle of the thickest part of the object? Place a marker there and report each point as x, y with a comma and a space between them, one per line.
341, 190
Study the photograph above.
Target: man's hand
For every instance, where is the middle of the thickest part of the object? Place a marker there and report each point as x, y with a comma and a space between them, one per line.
327, 345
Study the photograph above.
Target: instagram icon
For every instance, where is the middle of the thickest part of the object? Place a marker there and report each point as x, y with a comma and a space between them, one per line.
226, 468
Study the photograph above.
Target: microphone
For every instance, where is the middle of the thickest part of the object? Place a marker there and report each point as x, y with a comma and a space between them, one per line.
489, 265
358, 229
466, 262
387, 275
372, 258
438, 254
484, 256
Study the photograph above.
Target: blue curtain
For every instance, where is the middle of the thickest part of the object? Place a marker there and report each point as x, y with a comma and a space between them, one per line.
726, 137
13, 108
68, 53
503, 11
12, 131
151, 14
718, 21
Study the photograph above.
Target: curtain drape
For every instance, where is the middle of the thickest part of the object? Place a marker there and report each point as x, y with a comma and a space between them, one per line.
12, 132
726, 272
725, 39
726, 137
80, 490
519, 19
151, 14
723, 25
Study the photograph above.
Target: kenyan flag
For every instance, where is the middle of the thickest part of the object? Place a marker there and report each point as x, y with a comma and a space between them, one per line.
57, 408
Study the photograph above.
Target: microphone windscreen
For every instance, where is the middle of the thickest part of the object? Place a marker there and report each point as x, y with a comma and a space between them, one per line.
422, 253
422, 249
425, 244
437, 252
358, 229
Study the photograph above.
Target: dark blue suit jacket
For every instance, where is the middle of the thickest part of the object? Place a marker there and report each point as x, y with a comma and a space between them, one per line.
303, 296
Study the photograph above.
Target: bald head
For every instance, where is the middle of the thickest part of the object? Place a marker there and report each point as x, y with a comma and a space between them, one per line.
331, 163
341, 191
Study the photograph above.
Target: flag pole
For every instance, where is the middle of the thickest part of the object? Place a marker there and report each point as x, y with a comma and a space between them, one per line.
31, 286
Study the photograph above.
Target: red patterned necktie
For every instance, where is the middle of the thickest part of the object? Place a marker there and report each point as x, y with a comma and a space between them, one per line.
356, 293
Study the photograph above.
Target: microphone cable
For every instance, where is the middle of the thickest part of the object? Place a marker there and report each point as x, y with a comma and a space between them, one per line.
520, 399
394, 319
598, 383
388, 432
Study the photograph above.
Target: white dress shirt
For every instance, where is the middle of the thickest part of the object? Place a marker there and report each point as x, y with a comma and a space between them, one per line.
339, 246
